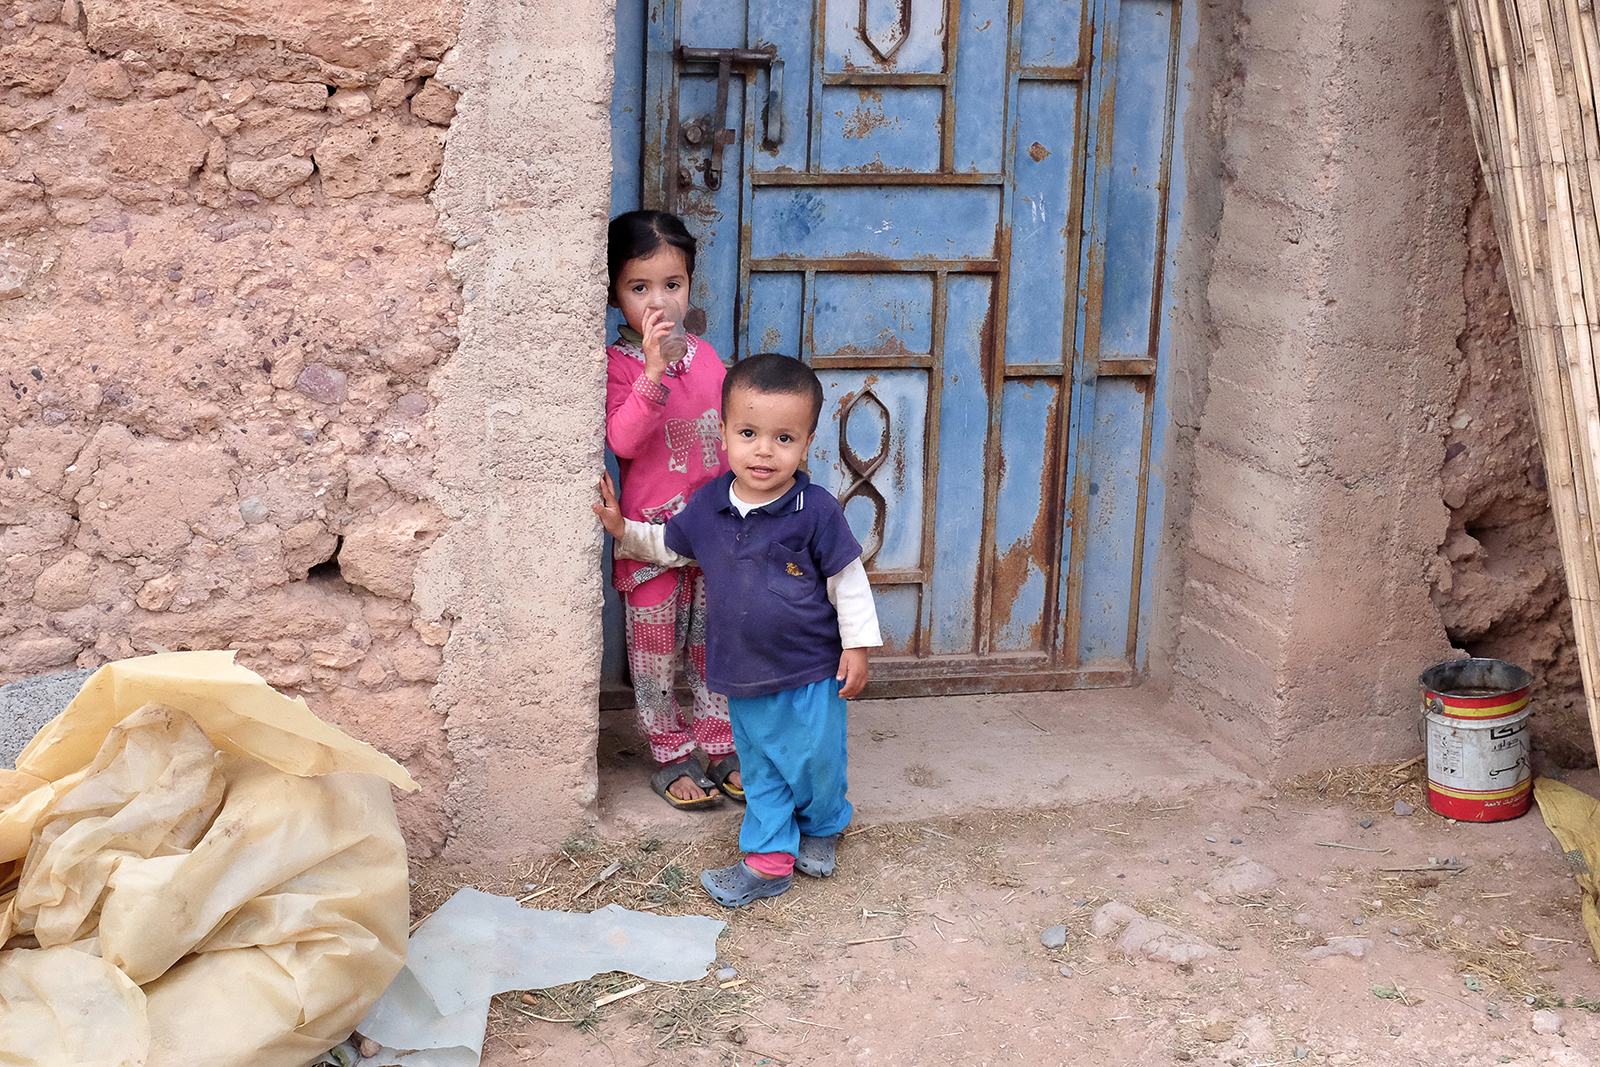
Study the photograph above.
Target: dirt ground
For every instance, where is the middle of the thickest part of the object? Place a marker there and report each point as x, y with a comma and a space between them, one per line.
926, 947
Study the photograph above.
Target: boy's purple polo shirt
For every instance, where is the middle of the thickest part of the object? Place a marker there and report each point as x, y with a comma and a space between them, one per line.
770, 625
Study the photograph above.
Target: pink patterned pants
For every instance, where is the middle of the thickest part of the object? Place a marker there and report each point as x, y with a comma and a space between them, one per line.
659, 636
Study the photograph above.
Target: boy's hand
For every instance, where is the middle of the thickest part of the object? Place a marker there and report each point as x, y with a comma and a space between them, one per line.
852, 676
609, 510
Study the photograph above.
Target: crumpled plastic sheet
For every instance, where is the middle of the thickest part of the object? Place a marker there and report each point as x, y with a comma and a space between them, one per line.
194, 869
1573, 816
479, 944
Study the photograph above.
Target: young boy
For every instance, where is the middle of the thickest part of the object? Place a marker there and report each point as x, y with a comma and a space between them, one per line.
789, 613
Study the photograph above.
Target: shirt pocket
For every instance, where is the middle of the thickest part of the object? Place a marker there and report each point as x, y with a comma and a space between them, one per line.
790, 573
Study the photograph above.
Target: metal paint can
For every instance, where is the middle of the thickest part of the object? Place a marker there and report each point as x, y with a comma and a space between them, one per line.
1479, 744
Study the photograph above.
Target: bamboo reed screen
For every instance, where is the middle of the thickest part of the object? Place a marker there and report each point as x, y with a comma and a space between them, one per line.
1529, 69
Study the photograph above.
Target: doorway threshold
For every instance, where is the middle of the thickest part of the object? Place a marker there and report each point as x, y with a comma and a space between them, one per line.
924, 757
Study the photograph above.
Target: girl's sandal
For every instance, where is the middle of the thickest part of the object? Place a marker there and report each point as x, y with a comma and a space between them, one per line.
721, 770
736, 886
688, 768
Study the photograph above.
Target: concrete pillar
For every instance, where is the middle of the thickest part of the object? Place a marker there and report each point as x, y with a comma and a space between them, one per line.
524, 195
1334, 301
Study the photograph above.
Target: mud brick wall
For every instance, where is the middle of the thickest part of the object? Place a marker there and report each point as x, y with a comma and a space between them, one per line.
223, 299
1331, 307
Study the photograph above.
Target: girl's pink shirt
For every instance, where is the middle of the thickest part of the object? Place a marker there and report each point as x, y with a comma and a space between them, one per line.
668, 443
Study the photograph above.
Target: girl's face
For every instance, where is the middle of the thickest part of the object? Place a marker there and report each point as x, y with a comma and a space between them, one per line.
649, 282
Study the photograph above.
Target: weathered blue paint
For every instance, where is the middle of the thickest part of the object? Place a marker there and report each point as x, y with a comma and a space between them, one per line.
861, 313
1133, 201
775, 303
879, 414
963, 426
1110, 518
894, 222
972, 261
878, 128
1043, 249
1021, 529
1051, 33
981, 79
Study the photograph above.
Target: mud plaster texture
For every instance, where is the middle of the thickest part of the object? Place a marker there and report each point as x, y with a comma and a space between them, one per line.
1504, 593
223, 299
525, 198
1332, 308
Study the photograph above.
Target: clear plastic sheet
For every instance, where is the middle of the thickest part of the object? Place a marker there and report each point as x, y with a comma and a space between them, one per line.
479, 944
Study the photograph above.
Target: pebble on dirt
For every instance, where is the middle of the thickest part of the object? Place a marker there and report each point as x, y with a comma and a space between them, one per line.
1402, 808
1546, 1021
1055, 937
1340, 946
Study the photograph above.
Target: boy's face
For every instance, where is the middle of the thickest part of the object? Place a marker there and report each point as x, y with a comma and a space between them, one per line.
767, 435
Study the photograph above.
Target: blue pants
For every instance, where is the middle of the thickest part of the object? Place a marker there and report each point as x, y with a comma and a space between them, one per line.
792, 758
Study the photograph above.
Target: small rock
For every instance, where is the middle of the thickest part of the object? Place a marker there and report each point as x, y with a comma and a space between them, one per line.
351, 103
738, 1036
727, 973
1242, 875
1236, 841
1081, 903
1066, 972
1546, 1022
1402, 808
1357, 947
252, 510
1366, 824
434, 103
1301, 1052
1358, 922
370, 1048
324, 384
1055, 937
1163, 861
1211, 839
1395, 930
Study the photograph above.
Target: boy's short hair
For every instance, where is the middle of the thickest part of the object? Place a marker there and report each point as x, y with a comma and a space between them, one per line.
769, 372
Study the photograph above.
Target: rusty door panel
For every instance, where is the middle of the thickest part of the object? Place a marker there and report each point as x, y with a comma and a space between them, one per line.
958, 211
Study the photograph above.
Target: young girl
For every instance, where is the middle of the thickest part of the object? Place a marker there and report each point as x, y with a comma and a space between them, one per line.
663, 403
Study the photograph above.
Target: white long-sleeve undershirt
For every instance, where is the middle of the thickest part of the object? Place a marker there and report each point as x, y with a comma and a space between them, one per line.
849, 591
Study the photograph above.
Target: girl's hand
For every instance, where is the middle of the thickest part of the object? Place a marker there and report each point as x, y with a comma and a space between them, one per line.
852, 676
608, 509
654, 329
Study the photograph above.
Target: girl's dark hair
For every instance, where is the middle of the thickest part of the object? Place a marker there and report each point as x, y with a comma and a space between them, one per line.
768, 372
640, 235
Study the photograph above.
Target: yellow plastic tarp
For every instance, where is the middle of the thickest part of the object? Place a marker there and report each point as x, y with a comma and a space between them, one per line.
1574, 817
194, 869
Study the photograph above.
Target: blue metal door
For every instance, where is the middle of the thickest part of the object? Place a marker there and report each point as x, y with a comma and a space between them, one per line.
957, 211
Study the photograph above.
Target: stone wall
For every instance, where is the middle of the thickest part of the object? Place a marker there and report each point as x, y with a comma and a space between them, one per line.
1333, 301
223, 302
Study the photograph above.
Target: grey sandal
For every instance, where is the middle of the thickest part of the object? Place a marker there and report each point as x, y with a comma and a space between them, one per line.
816, 855
689, 768
736, 886
720, 770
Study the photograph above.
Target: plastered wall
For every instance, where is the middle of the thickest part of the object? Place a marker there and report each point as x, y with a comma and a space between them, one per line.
1320, 382
525, 197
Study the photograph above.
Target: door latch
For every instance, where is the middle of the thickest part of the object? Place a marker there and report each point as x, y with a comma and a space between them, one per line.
720, 135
